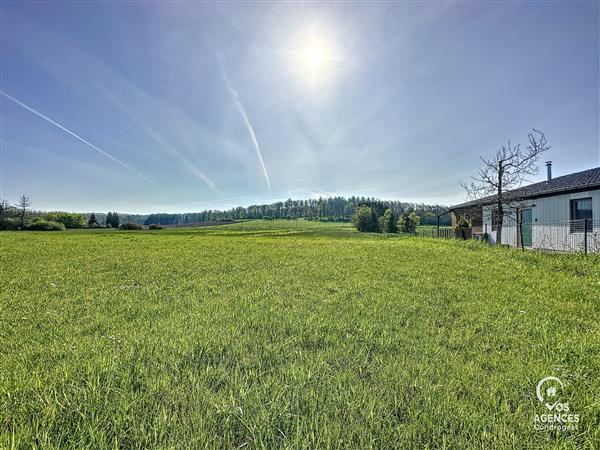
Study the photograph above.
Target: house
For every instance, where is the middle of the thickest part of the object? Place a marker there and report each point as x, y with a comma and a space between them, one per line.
560, 214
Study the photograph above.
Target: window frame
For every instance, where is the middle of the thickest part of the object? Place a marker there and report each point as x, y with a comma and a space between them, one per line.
494, 212
572, 215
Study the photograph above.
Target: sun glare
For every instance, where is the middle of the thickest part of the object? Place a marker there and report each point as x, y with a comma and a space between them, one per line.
314, 55
313, 59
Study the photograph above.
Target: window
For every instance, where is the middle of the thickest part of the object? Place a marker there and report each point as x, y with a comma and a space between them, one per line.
494, 218
581, 209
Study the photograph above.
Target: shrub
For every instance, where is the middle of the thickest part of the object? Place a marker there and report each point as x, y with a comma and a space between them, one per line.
131, 226
69, 220
9, 223
364, 219
463, 223
463, 229
44, 225
155, 226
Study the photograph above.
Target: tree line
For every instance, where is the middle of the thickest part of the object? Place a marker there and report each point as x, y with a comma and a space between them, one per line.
331, 209
19, 216
377, 217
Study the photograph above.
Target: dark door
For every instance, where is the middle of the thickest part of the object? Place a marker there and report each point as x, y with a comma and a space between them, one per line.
526, 227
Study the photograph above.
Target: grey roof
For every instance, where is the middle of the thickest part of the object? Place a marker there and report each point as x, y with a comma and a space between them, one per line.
587, 179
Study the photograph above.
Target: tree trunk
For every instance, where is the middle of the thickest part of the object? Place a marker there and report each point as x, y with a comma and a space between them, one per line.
500, 206
499, 224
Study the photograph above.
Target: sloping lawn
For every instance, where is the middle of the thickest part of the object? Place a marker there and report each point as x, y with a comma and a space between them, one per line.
291, 336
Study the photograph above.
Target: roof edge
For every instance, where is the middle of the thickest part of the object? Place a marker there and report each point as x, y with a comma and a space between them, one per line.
488, 201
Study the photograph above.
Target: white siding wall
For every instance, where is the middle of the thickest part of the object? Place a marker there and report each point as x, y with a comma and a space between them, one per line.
558, 207
550, 217
550, 221
509, 226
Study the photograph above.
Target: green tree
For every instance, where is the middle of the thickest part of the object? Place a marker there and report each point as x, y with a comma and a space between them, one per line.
408, 222
387, 222
69, 220
92, 221
112, 220
4, 207
381, 224
22, 206
415, 219
429, 218
364, 219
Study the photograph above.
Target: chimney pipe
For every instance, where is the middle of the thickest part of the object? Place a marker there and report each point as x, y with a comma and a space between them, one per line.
549, 170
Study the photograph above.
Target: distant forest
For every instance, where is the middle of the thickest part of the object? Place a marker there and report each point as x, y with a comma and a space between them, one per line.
323, 209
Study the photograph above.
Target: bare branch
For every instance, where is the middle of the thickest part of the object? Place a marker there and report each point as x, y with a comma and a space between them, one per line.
505, 171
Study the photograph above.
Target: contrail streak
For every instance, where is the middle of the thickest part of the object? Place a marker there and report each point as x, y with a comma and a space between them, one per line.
76, 136
240, 107
160, 140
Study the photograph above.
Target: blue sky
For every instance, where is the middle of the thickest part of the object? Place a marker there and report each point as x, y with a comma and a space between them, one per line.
205, 106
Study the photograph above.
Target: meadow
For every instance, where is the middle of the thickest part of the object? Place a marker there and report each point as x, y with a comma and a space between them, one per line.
290, 335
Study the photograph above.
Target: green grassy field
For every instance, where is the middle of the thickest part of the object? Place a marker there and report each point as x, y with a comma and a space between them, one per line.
298, 335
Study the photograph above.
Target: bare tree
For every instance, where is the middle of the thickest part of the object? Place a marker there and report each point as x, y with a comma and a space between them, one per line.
22, 206
507, 170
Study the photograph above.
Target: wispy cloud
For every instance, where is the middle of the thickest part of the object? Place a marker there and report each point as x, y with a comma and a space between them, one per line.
89, 77
75, 135
160, 140
239, 105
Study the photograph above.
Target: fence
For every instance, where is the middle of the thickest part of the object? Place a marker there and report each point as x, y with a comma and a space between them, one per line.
441, 232
560, 236
566, 236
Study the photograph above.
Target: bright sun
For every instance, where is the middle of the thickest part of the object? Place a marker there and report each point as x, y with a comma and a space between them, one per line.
314, 55
315, 58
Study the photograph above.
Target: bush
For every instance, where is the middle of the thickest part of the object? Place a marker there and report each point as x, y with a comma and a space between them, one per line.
463, 223
44, 225
463, 229
462, 233
69, 220
9, 223
131, 226
155, 226
365, 220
